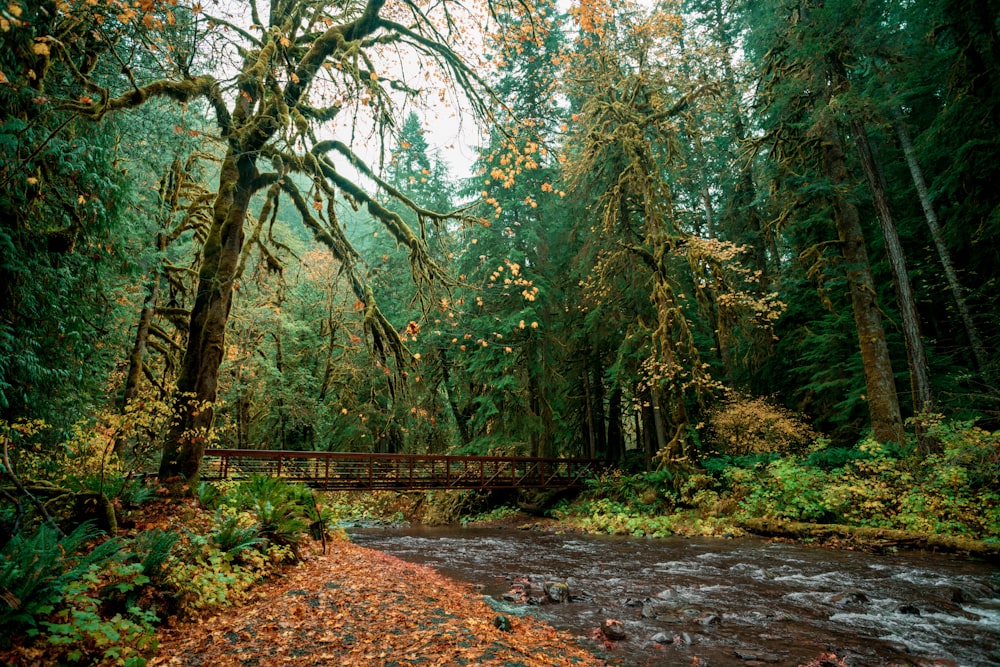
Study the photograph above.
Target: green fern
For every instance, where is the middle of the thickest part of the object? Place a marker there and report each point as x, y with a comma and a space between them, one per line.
36, 569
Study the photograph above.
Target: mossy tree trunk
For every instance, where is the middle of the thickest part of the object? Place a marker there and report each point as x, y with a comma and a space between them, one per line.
197, 385
883, 401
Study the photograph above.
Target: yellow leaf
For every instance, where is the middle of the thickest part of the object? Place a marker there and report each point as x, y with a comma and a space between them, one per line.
40, 48
285, 41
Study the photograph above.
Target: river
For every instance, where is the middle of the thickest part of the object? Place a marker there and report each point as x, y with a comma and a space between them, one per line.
727, 602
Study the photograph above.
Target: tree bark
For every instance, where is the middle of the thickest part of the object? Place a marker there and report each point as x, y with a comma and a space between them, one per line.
660, 427
930, 215
597, 403
460, 420
588, 414
883, 402
920, 380
197, 386
616, 440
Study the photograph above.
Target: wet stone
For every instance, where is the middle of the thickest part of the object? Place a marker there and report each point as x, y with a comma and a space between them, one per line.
662, 638
653, 610
613, 630
502, 623
557, 591
757, 657
708, 619
851, 597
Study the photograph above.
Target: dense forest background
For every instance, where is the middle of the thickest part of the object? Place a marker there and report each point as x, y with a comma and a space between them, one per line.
743, 251
686, 221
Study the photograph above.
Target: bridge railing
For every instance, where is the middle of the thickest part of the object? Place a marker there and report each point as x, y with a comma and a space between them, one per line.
370, 471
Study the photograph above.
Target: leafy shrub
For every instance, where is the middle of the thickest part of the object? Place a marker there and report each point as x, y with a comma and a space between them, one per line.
615, 518
283, 511
751, 425
647, 491
496, 514
87, 634
784, 489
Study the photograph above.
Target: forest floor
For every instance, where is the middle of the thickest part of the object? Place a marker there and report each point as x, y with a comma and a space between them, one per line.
357, 606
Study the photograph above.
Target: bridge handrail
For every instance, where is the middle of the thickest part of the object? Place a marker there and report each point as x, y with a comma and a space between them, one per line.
305, 454
372, 470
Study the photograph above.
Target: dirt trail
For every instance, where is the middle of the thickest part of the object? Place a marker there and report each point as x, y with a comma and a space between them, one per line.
356, 606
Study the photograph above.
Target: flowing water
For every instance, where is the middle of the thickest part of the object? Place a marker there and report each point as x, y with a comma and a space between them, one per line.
727, 602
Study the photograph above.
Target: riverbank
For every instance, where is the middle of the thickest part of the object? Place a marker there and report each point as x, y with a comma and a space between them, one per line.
590, 515
357, 606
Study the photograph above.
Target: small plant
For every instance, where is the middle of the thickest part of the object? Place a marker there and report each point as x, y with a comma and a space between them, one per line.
496, 514
234, 534
37, 569
154, 550
282, 524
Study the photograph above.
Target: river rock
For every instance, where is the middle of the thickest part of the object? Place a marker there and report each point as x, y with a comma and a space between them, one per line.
910, 609
758, 658
557, 591
502, 623
952, 609
654, 609
708, 619
852, 597
613, 630
662, 638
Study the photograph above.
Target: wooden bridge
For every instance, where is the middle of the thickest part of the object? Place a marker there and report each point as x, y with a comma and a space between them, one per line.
400, 472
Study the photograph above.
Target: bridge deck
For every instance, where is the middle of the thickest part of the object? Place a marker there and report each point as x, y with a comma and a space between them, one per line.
400, 472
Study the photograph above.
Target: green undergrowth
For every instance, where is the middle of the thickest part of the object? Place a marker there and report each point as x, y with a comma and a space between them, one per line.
953, 491
77, 596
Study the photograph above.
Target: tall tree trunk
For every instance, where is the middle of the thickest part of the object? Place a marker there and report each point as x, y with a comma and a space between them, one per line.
883, 402
649, 442
954, 285
616, 439
588, 415
597, 400
662, 440
920, 380
197, 385
461, 421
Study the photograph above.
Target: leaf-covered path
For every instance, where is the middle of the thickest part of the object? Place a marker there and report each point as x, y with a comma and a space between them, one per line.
356, 606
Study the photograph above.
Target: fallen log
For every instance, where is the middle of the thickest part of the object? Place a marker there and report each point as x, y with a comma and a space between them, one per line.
871, 539
80, 505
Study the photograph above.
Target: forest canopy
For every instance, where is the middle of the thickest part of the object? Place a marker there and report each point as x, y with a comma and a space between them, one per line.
230, 225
